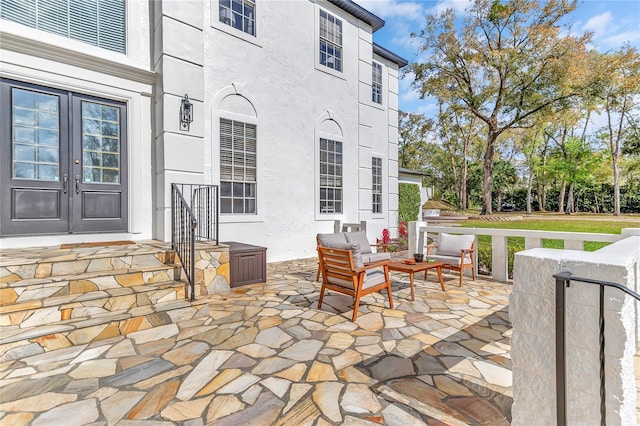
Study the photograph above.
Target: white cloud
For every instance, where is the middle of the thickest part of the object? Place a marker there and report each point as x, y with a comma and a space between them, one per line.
428, 108
617, 40
407, 93
599, 24
459, 6
387, 9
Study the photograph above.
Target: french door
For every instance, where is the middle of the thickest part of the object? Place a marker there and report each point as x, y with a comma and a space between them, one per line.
63, 162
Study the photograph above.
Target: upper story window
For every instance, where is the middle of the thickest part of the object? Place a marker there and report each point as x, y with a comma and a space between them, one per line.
330, 41
238, 167
100, 23
240, 14
376, 82
376, 184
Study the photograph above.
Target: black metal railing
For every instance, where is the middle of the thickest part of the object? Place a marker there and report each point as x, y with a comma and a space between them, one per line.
563, 280
194, 217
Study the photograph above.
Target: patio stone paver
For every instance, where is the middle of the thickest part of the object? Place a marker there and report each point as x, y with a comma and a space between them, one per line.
265, 354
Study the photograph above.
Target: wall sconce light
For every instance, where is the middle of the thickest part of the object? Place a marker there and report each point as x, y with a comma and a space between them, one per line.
186, 113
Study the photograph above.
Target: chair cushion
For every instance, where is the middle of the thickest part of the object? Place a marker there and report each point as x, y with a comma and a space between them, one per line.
449, 260
355, 251
329, 240
375, 257
372, 277
359, 237
450, 245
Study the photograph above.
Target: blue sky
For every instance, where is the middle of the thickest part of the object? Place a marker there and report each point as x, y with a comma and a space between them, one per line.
612, 22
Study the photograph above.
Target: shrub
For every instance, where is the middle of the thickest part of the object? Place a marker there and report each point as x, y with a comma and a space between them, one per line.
409, 202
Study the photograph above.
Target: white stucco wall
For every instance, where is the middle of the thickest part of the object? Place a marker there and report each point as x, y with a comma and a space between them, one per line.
295, 102
36, 57
180, 47
532, 313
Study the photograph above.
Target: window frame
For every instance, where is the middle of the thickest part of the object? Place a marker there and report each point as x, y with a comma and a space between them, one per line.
217, 24
247, 184
336, 43
244, 18
376, 185
376, 95
323, 201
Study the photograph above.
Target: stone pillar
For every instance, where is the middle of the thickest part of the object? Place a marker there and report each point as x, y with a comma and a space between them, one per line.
178, 58
417, 236
532, 313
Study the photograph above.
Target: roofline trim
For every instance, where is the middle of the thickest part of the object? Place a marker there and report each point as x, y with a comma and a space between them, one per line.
360, 12
389, 55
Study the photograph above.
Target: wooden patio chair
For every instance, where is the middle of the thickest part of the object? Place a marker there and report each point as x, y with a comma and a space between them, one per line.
456, 251
344, 272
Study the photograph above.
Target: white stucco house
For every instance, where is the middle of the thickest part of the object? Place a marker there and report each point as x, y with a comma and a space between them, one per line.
295, 115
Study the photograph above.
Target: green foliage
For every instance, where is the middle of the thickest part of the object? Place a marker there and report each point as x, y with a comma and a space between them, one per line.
409, 202
412, 152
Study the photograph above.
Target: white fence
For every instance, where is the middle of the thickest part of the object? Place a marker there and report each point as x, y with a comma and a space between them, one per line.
499, 252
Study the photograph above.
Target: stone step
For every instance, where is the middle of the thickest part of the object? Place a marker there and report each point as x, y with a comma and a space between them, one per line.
72, 263
139, 323
39, 290
88, 304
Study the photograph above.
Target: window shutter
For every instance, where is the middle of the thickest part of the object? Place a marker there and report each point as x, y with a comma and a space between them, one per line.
111, 25
100, 23
53, 16
20, 11
84, 21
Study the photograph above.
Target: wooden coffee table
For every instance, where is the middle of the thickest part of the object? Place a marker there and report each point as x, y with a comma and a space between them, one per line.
400, 266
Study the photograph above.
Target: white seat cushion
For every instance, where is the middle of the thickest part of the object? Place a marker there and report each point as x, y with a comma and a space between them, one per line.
450, 245
449, 260
375, 257
372, 277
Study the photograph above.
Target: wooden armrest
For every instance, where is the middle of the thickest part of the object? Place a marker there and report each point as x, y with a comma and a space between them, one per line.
431, 246
372, 265
469, 250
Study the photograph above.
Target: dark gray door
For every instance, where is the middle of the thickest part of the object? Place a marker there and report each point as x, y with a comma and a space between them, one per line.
62, 162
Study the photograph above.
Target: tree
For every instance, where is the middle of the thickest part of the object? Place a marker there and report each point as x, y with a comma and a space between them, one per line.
414, 129
533, 148
574, 163
507, 62
504, 177
457, 129
618, 96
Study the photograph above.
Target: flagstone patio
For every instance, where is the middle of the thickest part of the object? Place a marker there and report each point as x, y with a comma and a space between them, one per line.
265, 354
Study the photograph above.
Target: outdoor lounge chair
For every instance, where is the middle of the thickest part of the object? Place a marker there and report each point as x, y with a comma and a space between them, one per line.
456, 251
353, 237
344, 272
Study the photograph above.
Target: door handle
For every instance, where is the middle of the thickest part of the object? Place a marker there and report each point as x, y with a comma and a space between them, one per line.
65, 183
77, 184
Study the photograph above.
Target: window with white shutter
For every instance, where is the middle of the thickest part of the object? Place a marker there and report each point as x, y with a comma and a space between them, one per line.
100, 23
238, 166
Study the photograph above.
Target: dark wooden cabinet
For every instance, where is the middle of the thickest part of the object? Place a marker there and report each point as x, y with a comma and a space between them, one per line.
247, 263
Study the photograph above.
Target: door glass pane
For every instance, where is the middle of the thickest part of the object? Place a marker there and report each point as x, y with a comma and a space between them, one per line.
100, 143
35, 121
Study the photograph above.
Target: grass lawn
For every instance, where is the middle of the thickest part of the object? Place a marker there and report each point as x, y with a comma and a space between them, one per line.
592, 224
